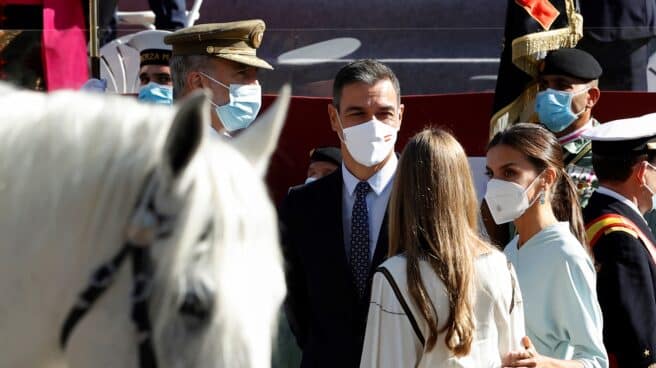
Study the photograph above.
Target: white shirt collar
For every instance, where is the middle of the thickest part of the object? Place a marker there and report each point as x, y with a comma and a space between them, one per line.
377, 181
611, 193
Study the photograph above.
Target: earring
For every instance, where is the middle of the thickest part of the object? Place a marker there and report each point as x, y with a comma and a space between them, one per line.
542, 198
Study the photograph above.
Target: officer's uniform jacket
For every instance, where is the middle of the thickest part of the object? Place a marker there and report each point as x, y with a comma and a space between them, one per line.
626, 280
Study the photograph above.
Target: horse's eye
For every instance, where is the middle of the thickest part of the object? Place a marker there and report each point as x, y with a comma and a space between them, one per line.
196, 308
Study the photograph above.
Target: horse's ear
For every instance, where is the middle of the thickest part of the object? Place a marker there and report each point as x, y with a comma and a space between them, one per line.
258, 141
186, 133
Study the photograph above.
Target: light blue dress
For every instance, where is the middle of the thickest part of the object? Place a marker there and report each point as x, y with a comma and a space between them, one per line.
557, 280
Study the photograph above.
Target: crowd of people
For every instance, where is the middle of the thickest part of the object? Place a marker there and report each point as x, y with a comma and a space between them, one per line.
386, 265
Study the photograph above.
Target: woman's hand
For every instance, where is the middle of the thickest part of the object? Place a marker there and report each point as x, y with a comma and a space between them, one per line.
529, 357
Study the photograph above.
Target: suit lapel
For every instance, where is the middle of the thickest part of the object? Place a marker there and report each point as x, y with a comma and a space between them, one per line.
334, 240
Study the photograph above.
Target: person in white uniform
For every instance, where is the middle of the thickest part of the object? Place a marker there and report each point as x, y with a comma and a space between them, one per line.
446, 297
529, 185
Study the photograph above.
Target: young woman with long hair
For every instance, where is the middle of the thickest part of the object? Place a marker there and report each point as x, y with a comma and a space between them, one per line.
529, 186
445, 297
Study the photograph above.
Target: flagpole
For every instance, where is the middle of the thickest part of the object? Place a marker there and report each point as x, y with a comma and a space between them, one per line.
94, 50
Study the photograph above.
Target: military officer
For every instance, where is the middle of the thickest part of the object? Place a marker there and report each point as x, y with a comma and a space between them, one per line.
624, 160
221, 57
154, 71
323, 161
568, 91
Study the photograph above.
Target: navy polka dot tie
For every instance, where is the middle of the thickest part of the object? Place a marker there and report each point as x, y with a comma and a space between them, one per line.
359, 257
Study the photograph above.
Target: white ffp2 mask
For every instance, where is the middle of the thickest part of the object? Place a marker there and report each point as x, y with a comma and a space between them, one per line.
371, 142
507, 200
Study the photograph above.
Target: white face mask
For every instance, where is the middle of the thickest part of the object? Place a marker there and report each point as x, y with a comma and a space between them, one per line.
506, 200
653, 193
369, 143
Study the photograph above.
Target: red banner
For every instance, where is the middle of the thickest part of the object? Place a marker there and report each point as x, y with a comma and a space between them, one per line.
541, 10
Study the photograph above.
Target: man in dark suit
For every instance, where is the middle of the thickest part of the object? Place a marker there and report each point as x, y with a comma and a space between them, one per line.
624, 159
617, 33
334, 230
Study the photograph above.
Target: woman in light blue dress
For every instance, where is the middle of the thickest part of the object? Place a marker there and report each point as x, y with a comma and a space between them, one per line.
529, 186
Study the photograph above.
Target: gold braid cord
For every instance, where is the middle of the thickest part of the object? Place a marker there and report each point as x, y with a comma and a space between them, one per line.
6, 36
527, 53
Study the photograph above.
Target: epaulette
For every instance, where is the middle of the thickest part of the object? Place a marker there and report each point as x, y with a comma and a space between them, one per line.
609, 223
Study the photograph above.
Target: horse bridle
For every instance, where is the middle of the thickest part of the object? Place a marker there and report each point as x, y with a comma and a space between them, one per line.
145, 226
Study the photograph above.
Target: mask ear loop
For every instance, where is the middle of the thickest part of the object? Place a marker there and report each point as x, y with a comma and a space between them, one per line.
645, 184
540, 196
339, 121
586, 89
215, 105
214, 80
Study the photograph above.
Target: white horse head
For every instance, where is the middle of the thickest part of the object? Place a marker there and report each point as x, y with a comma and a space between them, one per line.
73, 168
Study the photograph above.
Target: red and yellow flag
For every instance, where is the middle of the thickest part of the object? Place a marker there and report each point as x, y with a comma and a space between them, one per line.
533, 28
543, 11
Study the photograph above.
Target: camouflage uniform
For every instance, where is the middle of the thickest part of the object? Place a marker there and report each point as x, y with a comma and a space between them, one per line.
578, 162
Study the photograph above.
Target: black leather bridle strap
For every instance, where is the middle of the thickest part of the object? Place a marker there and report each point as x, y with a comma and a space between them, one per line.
142, 275
101, 280
145, 226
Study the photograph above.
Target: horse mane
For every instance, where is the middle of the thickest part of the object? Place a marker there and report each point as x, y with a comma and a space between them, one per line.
78, 161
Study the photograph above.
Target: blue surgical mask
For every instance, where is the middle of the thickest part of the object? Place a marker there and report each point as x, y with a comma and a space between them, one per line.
241, 111
554, 108
156, 93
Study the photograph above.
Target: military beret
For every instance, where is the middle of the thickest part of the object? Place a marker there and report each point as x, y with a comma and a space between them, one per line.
236, 41
151, 47
573, 63
624, 136
328, 154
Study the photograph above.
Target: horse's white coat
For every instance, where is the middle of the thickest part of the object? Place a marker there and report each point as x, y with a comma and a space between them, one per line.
71, 169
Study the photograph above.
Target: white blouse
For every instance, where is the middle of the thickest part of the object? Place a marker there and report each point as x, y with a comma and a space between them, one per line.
390, 340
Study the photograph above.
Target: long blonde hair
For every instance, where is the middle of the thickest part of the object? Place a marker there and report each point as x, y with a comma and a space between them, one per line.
433, 217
